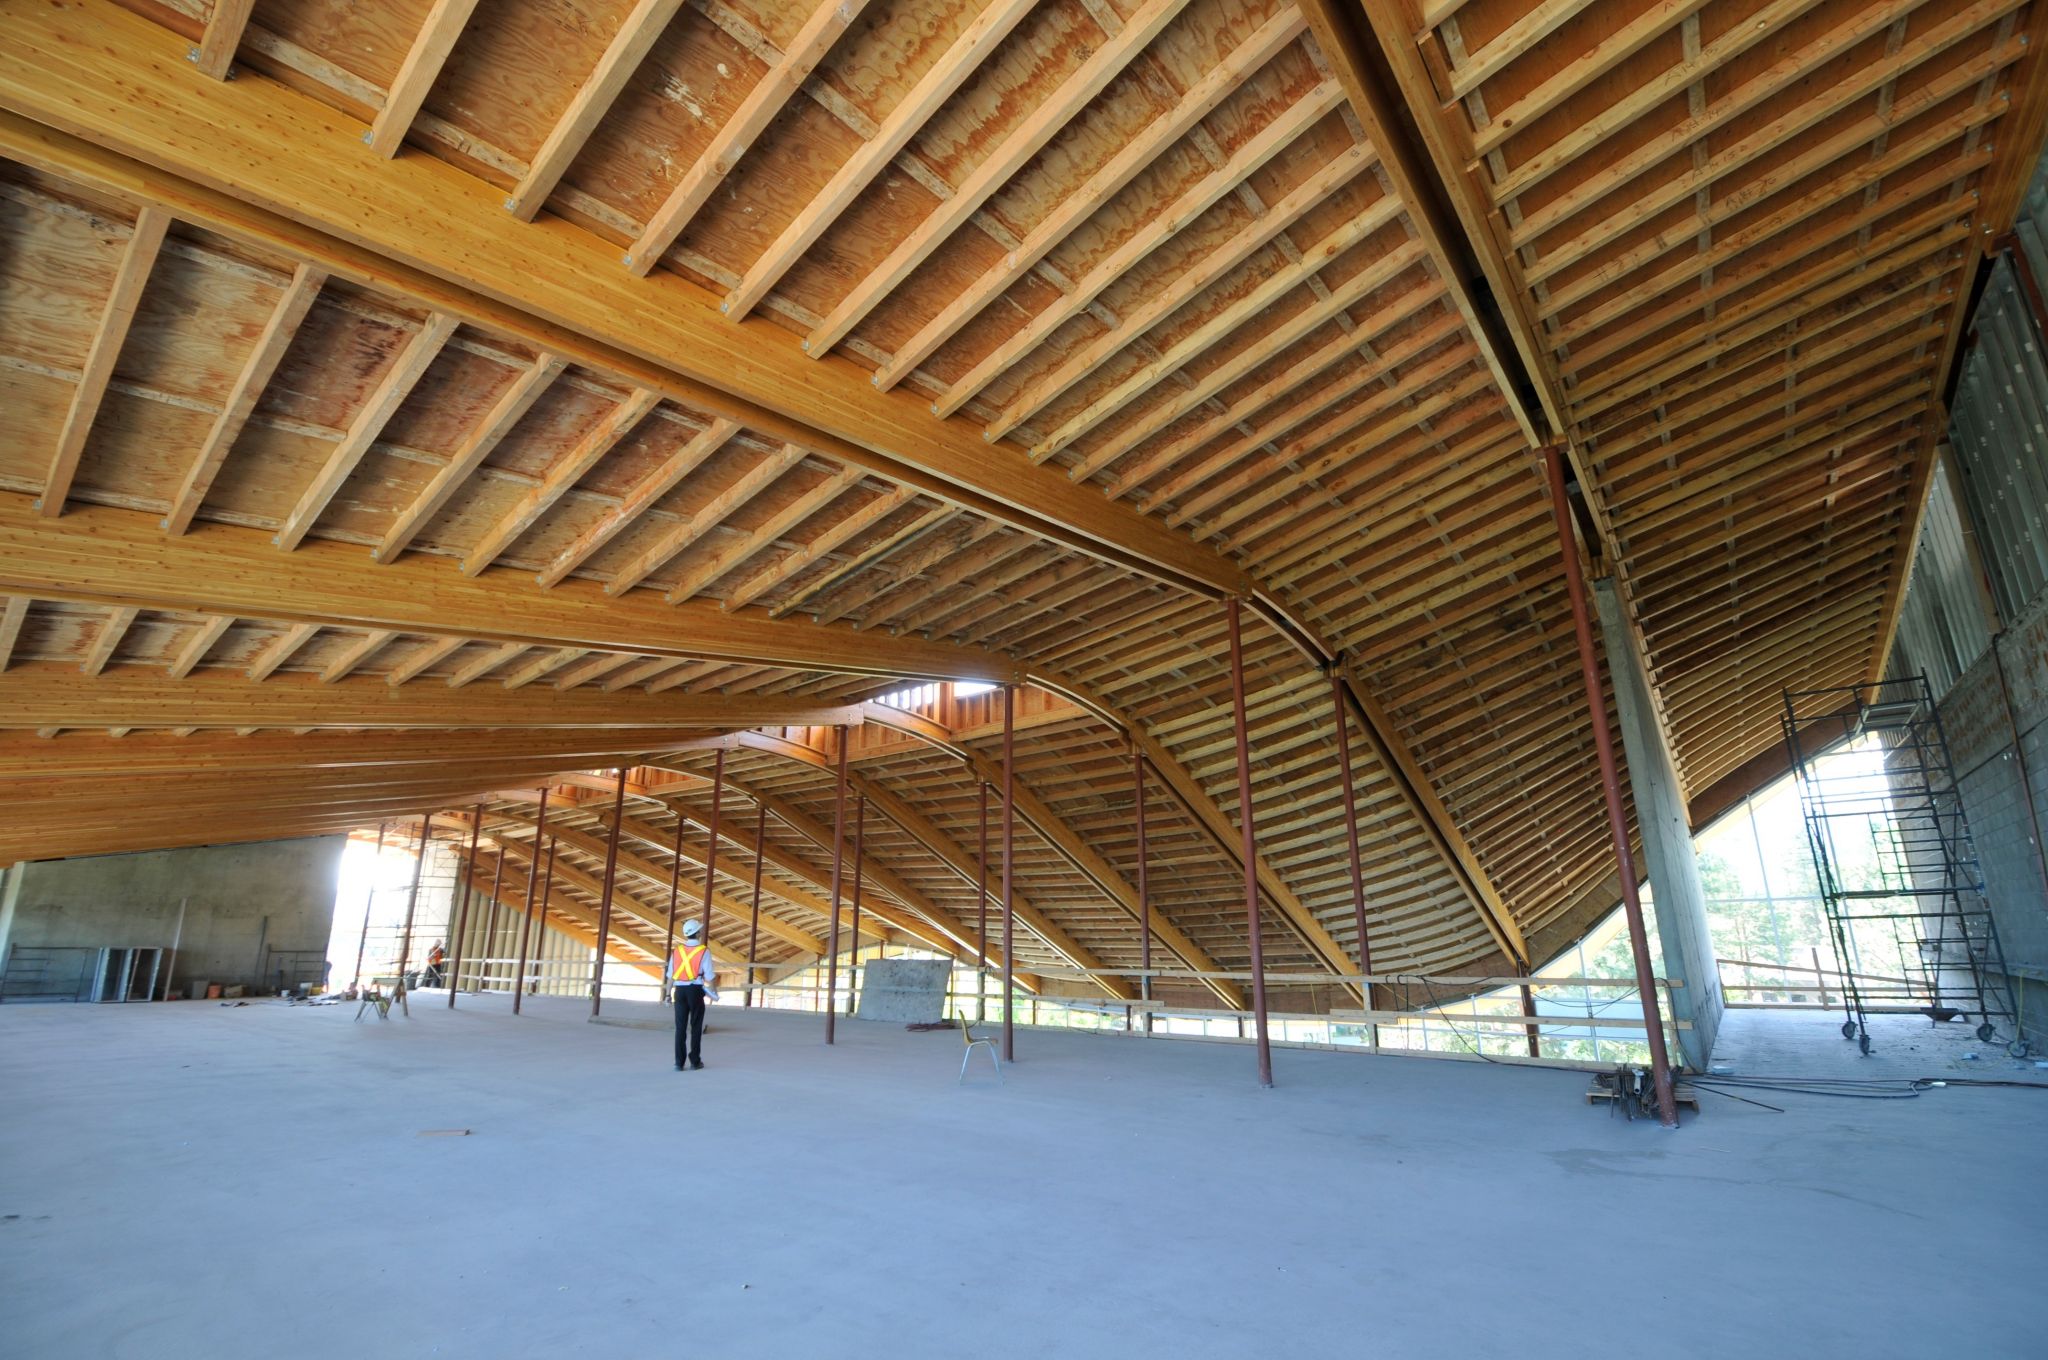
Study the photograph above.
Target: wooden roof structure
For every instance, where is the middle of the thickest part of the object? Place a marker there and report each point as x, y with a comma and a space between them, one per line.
406, 406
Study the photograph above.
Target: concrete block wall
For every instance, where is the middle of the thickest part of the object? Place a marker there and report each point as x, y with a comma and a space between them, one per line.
238, 899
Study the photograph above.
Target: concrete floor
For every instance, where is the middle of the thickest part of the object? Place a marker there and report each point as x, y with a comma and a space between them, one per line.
193, 1180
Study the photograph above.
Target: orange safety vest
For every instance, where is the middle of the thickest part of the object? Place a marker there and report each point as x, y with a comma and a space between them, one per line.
687, 963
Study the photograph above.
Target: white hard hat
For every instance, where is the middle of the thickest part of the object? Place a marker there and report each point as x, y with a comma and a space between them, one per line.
693, 928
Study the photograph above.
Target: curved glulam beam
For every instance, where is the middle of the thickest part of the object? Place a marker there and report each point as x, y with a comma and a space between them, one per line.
101, 73
107, 556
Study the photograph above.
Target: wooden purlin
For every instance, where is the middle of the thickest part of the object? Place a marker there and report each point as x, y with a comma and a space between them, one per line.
661, 330
456, 190
1076, 609
1782, 223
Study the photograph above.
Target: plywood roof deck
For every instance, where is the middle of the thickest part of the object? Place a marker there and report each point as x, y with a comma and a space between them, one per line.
658, 372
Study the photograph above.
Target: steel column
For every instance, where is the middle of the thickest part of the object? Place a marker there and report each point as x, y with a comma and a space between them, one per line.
1009, 867
1610, 782
604, 907
675, 878
476, 829
1529, 1011
1251, 847
981, 912
547, 892
832, 931
369, 901
754, 917
1341, 710
413, 900
711, 855
860, 826
532, 883
1144, 884
483, 969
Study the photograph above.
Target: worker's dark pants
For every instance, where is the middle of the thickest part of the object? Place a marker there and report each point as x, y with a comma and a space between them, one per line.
689, 1025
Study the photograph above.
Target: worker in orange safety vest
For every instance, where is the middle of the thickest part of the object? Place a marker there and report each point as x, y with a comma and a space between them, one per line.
692, 980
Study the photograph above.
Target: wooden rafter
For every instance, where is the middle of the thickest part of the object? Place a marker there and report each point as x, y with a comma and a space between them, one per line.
299, 295
476, 446
215, 54
737, 549
383, 403
130, 278
1026, 141
629, 46
565, 473
416, 75
1118, 171
112, 630
656, 484
12, 617
739, 133
945, 76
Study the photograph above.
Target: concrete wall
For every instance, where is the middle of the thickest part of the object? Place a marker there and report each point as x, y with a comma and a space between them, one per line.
1989, 766
238, 898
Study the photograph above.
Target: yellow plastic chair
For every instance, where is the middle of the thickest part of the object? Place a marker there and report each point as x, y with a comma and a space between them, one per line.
968, 1037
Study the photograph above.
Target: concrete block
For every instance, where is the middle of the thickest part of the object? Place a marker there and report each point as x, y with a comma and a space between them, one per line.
907, 991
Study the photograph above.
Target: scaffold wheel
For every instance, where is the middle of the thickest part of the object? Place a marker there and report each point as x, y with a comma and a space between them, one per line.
1848, 1029
1986, 1031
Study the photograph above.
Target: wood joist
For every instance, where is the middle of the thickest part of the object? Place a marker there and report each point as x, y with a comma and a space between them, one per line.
1020, 503
1185, 267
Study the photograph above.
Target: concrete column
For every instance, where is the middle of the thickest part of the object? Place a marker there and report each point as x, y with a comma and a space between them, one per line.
10, 893
1678, 899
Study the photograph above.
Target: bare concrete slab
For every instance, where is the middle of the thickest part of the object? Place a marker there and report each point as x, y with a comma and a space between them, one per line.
188, 1180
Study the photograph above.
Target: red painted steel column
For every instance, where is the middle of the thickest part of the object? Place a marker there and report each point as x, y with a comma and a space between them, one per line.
1529, 1010
476, 829
604, 907
547, 893
1009, 866
711, 854
412, 901
754, 918
532, 882
1351, 828
1251, 847
860, 826
675, 879
1610, 784
1144, 881
981, 913
483, 970
832, 930
369, 901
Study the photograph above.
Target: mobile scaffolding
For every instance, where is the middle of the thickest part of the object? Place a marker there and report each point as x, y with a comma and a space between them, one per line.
1894, 859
